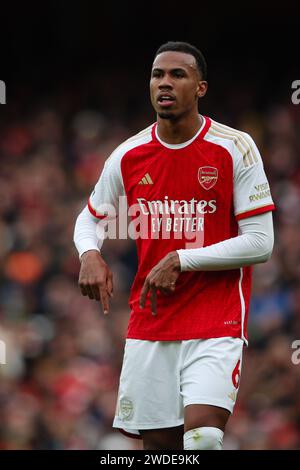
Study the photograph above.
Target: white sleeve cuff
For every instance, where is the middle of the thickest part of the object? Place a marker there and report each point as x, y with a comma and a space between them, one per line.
88, 234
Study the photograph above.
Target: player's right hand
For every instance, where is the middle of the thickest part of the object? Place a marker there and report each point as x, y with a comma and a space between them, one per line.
95, 278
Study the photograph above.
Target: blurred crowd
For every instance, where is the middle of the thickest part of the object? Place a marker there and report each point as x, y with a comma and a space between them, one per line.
58, 389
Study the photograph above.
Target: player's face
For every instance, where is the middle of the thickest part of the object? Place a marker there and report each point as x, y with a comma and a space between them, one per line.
175, 84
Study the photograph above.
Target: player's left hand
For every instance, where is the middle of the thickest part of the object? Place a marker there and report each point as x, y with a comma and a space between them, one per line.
163, 276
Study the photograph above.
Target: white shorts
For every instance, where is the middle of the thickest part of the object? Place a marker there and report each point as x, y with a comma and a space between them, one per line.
159, 378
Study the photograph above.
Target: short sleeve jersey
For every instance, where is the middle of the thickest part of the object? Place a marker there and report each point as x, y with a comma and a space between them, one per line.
188, 195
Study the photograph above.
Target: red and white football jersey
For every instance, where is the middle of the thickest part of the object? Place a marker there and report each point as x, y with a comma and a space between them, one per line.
187, 195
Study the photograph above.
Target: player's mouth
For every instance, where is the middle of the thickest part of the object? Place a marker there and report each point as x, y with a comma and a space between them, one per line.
165, 100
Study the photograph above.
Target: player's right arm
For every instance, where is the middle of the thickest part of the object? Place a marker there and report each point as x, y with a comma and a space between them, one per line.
95, 277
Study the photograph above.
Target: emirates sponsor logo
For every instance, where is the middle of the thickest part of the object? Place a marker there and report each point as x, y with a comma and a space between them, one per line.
177, 206
207, 176
164, 219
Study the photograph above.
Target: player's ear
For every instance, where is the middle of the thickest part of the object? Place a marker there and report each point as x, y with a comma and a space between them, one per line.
202, 88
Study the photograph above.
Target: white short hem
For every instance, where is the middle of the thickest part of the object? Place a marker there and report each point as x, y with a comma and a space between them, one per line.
134, 427
209, 401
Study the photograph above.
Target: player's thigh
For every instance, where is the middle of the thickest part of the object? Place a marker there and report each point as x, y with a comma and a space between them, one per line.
198, 416
163, 439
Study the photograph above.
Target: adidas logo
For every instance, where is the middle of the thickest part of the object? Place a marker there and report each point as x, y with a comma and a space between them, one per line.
146, 179
232, 395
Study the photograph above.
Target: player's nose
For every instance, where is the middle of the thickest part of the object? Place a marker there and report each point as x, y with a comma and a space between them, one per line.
165, 84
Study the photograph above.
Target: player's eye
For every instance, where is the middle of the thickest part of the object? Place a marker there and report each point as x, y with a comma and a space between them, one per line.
156, 73
178, 74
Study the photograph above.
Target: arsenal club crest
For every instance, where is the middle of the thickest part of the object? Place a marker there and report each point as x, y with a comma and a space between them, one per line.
207, 176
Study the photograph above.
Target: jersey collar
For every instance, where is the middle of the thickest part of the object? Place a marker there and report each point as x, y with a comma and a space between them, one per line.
200, 133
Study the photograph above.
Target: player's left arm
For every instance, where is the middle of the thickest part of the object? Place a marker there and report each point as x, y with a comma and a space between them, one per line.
254, 244
252, 208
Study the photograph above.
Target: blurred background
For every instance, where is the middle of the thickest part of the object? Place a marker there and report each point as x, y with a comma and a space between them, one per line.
77, 85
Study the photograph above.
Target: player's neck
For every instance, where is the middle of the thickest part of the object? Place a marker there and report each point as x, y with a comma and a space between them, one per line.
179, 131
